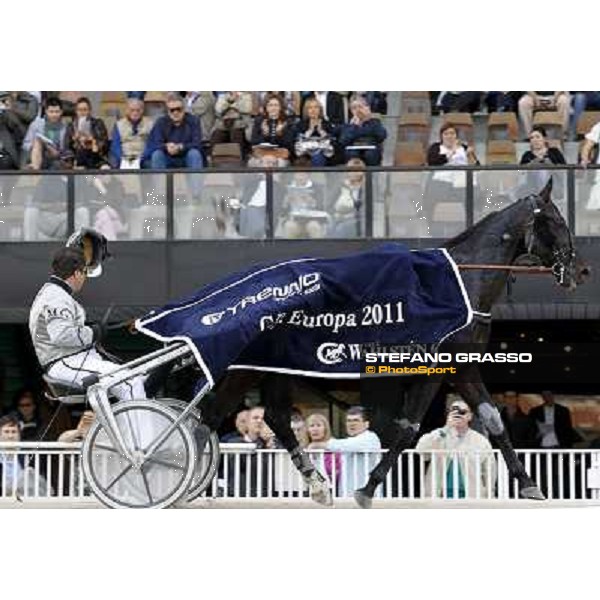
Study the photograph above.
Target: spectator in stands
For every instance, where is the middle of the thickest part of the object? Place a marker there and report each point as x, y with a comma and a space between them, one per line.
46, 139
304, 214
332, 106
532, 101
175, 140
360, 450
26, 412
590, 154
298, 425
290, 100
364, 135
467, 456
502, 101
347, 206
540, 153
554, 426
78, 434
377, 101
87, 138
583, 101
234, 116
319, 434
459, 101
241, 428
315, 135
14, 479
17, 111
272, 128
202, 104
129, 136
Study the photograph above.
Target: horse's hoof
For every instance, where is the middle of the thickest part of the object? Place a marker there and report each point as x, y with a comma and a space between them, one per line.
532, 493
363, 499
320, 492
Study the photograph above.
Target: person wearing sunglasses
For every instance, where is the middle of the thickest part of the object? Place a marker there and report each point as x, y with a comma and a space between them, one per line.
460, 460
175, 141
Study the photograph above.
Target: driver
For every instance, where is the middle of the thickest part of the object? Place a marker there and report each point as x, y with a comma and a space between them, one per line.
63, 343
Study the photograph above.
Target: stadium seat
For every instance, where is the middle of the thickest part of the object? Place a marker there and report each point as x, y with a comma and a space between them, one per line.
414, 127
463, 123
409, 154
503, 126
550, 120
415, 102
586, 121
115, 97
226, 155
501, 152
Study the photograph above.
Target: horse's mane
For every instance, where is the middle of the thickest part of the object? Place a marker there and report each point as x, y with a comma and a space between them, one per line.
471, 231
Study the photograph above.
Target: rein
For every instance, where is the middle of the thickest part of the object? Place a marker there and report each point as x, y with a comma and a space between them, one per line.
517, 268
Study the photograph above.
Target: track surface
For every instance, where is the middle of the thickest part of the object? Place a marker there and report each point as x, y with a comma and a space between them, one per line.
222, 503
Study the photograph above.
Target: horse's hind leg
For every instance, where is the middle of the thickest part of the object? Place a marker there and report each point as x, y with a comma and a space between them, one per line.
418, 400
471, 388
278, 416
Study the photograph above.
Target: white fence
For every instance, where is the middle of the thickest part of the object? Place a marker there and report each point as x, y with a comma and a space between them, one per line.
53, 470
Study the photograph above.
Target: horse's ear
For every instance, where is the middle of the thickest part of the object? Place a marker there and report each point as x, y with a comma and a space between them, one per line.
545, 193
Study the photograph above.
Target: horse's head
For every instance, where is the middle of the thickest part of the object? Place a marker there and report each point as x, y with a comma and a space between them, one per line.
547, 238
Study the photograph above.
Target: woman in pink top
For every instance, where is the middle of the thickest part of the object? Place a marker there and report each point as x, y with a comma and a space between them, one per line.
319, 433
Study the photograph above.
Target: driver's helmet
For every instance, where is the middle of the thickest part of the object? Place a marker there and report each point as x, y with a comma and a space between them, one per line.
94, 246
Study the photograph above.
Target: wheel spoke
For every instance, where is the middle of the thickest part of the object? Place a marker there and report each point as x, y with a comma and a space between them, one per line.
107, 448
146, 485
118, 477
165, 463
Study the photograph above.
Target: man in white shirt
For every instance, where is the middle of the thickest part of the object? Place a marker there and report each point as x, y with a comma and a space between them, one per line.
360, 451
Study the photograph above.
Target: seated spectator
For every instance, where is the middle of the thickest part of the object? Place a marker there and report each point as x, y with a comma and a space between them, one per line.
590, 154
202, 104
46, 139
459, 101
304, 214
319, 434
87, 138
14, 476
175, 140
377, 101
540, 153
291, 102
233, 117
468, 457
364, 135
17, 111
272, 129
129, 137
78, 434
502, 101
241, 429
360, 450
26, 413
348, 202
315, 136
531, 101
332, 106
583, 101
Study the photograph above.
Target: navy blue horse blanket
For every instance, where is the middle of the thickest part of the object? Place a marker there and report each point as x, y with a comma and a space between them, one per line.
315, 316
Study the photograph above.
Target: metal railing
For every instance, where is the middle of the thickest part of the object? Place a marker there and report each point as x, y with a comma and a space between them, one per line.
35, 471
178, 204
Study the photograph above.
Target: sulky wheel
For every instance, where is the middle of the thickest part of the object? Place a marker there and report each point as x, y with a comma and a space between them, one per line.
208, 460
160, 479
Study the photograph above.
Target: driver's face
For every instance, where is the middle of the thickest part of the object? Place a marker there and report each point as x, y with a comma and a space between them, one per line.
78, 279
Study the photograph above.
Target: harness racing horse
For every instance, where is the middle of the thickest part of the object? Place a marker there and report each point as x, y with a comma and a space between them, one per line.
531, 229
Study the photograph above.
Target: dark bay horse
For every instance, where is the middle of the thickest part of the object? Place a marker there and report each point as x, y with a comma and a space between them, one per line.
531, 229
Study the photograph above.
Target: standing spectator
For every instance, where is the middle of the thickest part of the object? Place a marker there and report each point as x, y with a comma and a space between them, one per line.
554, 426
129, 136
583, 101
319, 434
315, 135
46, 139
364, 135
348, 202
87, 138
234, 116
332, 104
360, 450
531, 101
202, 104
467, 455
273, 128
26, 412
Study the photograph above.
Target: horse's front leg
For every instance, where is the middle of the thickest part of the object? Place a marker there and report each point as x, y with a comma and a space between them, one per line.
470, 386
418, 400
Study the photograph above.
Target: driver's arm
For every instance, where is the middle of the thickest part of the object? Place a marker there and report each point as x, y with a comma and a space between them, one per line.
64, 331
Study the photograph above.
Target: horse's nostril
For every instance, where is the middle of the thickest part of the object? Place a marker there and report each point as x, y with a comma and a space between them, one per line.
585, 271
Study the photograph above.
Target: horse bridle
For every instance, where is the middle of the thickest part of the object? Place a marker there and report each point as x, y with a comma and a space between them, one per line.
562, 256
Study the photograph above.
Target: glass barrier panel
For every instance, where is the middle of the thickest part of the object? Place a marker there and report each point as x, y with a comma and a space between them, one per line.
124, 206
33, 208
319, 204
587, 202
220, 205
404, 211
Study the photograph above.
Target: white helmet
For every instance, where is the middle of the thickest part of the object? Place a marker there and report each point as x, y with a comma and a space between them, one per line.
94, 246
